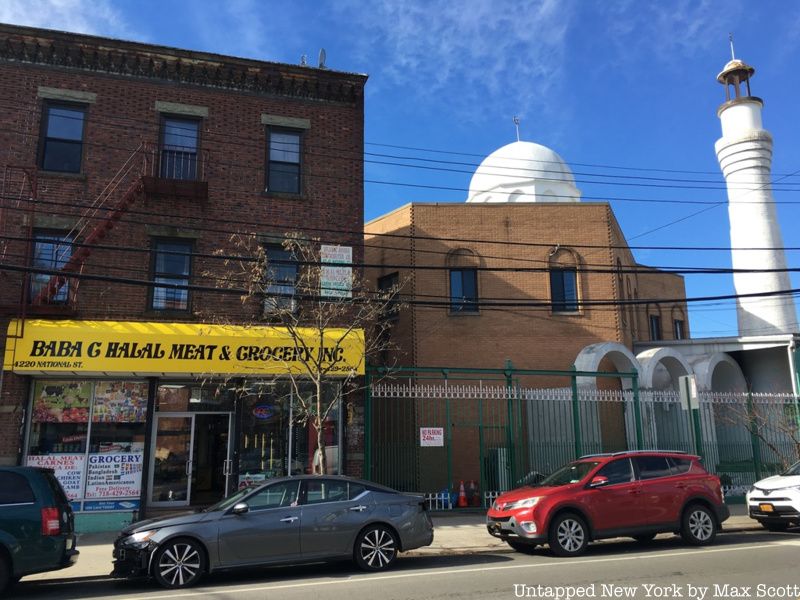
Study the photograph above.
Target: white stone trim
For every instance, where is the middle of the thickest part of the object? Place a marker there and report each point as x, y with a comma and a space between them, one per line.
279, 121
176, 108
50, 93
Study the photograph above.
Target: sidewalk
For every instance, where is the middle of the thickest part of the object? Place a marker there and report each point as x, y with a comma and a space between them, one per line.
454, 533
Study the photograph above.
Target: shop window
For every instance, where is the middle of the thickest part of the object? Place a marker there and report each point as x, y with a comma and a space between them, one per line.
463, 290
51, 251
283, 161
92, 436
61, 146
655, 327
564, 290
172, 262
280, 279
179, 146
181, 397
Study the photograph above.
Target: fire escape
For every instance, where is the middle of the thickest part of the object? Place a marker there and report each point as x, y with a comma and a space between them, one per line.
148, 171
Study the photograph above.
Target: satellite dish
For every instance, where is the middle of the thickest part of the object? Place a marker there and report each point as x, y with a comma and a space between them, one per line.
322, 57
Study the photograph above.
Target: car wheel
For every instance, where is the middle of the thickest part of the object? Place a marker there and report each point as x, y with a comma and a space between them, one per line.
179, 563
775, 526
523, 547
698, 525
645, 538
568, 535
375, 549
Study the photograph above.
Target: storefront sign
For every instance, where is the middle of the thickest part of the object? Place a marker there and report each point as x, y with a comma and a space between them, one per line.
114, 475
336, 281
105, 347
68, 470
431, 436
97, 505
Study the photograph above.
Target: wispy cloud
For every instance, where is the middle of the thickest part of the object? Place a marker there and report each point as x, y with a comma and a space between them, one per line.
98, 17
502, 55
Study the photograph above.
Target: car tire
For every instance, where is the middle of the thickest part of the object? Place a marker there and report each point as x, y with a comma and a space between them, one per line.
179, 563
775, 526
698, 525
524, 547
375, 548
645, 538
568, 536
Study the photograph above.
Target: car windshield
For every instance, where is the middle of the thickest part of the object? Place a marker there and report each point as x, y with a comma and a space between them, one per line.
226, 503
793, 470
571, 473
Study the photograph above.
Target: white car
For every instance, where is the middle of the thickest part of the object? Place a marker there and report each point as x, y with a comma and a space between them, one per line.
775, 501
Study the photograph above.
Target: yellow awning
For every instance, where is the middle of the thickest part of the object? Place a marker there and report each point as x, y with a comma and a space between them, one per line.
157, 349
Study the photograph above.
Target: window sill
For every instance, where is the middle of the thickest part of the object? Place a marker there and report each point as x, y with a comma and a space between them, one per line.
284, 195
566, 313
61, 174
459, 313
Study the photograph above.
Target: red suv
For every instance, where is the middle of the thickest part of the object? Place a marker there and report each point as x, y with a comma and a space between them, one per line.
637, 494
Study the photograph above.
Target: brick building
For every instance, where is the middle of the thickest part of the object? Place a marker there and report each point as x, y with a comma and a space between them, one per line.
521, 271
129, 169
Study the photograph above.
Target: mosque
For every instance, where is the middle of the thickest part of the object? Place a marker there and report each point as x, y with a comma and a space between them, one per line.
526, 271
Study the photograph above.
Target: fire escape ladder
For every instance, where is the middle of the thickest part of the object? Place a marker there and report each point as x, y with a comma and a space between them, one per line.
96, 222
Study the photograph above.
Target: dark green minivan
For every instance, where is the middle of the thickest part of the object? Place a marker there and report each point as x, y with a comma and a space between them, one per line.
37, 531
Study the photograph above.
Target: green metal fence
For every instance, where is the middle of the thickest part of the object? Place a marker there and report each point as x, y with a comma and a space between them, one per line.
431, 430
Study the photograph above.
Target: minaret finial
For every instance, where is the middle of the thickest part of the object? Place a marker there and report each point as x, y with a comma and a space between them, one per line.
516, 124
730, 38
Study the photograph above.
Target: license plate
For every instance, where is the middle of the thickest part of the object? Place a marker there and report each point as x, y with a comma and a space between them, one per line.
766, 508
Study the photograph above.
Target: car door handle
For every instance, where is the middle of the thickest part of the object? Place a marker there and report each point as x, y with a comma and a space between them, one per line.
360, 508
289, 519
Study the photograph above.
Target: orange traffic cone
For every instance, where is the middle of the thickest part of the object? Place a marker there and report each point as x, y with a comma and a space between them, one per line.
462, 497
476, 497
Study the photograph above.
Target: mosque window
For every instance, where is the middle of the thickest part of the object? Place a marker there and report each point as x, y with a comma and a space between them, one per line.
678, 329
463, 290
564, 289
655, 327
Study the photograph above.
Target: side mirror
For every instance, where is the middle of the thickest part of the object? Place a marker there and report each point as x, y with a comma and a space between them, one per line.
240, 508
598, 481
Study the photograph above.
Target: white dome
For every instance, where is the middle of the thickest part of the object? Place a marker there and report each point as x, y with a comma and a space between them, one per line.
523, 172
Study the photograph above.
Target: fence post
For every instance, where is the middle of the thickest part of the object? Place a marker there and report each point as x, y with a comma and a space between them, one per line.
509, 373
449, 437
637, 411
751, 416
368, 424
576, 415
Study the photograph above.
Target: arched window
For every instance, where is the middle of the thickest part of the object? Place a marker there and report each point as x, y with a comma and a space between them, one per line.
678, 323
462, 269
623, 309
564, 292
654, 322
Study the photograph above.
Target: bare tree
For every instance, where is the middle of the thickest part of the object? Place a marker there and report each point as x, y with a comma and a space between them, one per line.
323, 307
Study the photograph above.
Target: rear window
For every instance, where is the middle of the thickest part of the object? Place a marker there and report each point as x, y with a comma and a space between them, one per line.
14, 489
680, 465
58, 492
651, 467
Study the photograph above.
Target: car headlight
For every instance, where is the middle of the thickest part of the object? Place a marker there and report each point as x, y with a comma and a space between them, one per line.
140, 538
527, 503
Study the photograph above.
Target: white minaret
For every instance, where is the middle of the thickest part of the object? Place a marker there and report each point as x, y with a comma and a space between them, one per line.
745, 155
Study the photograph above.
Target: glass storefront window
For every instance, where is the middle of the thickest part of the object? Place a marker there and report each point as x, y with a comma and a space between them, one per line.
194, 398
91, 433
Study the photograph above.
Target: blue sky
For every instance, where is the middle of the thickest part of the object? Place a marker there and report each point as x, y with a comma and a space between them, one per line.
616, 87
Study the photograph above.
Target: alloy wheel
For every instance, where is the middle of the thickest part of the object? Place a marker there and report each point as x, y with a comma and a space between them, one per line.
377, 549
700, 525
571, 535
179, 564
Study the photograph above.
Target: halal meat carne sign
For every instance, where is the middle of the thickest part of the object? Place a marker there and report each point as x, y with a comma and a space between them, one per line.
180, 348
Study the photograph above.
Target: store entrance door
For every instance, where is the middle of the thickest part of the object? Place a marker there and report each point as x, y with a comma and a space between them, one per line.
190, 460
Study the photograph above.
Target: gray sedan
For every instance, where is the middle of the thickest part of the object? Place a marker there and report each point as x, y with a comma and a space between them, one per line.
287, 520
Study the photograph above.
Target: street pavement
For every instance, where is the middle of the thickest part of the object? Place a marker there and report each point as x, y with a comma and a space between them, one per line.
455, 533
745, 564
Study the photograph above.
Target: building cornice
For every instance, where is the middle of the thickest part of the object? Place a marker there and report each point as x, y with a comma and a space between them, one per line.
77, 52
